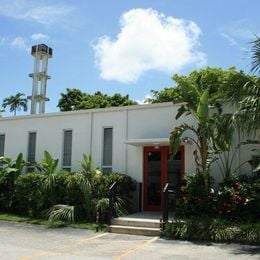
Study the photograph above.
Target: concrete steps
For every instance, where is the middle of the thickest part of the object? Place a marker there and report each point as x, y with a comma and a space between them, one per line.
133, 226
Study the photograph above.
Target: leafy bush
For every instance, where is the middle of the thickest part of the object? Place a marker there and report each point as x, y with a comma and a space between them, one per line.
213, 229
239, 197
236, 198
101, 184
29, 197
9, 172
33, 194
193, 199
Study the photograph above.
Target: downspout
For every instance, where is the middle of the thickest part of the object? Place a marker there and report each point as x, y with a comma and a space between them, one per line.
126, 138
91, 133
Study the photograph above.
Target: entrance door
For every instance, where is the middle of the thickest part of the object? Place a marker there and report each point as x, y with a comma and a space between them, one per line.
158, 170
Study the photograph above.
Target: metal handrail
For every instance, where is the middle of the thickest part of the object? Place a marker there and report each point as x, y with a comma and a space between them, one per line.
165, 215
112, 199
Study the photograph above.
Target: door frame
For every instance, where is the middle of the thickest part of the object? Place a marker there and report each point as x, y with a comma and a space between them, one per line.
164, 172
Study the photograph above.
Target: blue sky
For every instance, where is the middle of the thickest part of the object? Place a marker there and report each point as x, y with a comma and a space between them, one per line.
125, 46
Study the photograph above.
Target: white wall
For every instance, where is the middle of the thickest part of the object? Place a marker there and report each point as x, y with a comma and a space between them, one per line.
133, 122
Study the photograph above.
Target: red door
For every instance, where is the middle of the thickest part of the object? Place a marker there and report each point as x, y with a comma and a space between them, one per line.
158, 170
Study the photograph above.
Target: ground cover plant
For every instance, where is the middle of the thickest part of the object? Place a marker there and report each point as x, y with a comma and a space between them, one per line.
214, 230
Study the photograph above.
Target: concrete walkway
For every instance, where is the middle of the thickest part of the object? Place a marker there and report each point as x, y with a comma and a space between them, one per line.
24, 241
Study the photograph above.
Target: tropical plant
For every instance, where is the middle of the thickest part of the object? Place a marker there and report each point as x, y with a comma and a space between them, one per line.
48, 165
248, 114
75, 99
61, 212
67, 212
92, 194
224, 144
213, 229
199, 108
221, 84
15, 102
255, 55
13, 165
9, 172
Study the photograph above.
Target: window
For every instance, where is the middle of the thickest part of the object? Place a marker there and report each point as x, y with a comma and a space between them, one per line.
107, 150
67, 148
31, 147
31, 150
2, 146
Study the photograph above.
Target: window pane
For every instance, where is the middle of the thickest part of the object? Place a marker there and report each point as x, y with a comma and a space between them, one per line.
31, 147
2, 145
107, 148
67, 147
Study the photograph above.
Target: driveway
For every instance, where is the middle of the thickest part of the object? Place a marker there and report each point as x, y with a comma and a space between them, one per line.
24, 241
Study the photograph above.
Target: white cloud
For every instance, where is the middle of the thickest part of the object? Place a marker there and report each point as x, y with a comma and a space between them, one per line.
232, 41
240, 30
239, 33
20, 43
39, 36
36, 11
143, 101
148, 40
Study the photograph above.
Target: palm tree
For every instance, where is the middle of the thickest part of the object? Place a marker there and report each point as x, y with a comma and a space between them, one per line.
15, 102
255, 67
197, 104
248, 114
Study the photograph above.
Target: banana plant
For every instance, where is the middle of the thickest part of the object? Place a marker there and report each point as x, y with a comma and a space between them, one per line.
48, 165
12, 167
200, 111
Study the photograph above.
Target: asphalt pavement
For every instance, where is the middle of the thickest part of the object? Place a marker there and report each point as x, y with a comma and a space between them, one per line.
25, 241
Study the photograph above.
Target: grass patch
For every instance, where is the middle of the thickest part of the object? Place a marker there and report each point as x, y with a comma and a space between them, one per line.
50, 224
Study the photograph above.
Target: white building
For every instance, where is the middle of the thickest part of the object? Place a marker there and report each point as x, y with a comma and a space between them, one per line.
132, 140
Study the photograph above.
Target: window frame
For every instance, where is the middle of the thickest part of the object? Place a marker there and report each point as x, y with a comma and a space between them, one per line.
66, 167
107, 167
31, 168
3, 152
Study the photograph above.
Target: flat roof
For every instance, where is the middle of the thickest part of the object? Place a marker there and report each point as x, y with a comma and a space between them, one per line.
94, 110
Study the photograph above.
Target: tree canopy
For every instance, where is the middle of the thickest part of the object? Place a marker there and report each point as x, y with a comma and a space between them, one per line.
222, 84
16, 102
75, 99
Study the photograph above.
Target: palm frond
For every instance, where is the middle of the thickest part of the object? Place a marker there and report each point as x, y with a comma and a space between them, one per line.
61, 212
255, 50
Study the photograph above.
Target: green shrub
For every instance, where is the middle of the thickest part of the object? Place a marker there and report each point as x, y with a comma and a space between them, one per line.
33, 194
239, 197
214, 230
101, 184
235, 198
250, 233
29, 197
193, 200
7, 181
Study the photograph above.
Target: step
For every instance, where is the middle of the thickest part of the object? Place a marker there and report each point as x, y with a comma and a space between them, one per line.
144, 231
123, 221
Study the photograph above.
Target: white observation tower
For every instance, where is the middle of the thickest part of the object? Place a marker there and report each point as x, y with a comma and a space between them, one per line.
41, 54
